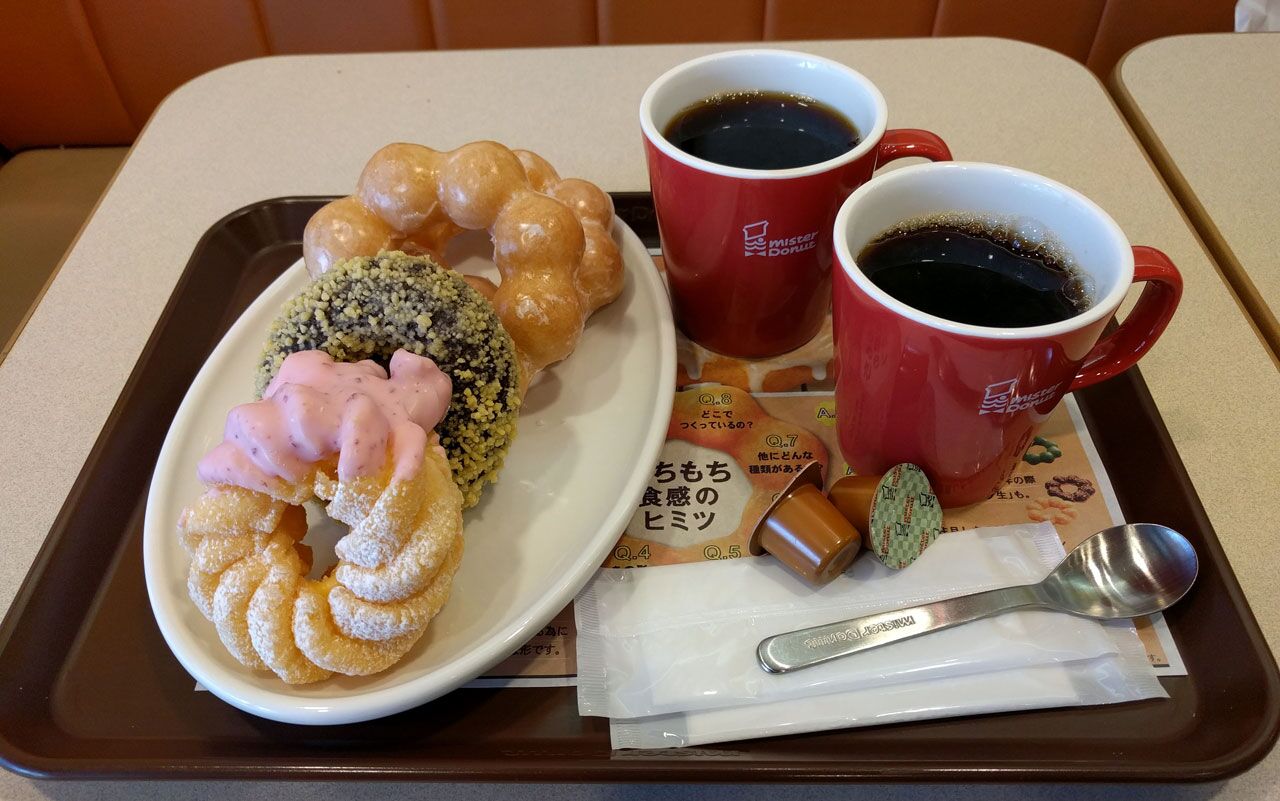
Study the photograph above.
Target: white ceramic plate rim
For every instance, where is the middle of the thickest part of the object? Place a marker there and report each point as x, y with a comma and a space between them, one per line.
371, 704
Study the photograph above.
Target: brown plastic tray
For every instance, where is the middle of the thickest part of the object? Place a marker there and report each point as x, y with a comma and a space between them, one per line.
88, 687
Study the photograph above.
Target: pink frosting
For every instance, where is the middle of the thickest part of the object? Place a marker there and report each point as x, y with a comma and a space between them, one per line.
316, 407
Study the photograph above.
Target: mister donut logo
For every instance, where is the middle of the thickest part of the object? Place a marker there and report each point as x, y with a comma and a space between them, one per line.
755, 238
756, 241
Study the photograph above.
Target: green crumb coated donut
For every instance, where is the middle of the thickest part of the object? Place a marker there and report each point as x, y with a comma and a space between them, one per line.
367, 308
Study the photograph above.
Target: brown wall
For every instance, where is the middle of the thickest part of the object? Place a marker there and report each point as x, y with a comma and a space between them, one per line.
92, 71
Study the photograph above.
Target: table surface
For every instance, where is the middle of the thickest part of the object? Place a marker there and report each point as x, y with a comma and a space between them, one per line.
305, 126
1207, 107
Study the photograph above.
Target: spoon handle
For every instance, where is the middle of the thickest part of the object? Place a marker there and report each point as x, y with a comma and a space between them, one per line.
794, 650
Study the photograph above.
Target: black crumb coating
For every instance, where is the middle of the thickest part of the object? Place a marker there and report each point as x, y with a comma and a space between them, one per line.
367, 308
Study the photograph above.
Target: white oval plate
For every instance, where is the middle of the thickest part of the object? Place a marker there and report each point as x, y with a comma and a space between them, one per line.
588, 436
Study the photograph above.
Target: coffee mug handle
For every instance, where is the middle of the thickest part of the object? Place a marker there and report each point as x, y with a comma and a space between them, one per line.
1121, 349
901, 143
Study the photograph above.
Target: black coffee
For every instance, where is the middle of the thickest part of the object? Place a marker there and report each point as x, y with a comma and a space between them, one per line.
762, 131
970, 271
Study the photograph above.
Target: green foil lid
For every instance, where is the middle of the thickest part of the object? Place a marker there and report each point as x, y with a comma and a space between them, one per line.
905, 516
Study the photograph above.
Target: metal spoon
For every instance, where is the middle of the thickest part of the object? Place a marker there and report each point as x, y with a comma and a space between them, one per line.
1123, 571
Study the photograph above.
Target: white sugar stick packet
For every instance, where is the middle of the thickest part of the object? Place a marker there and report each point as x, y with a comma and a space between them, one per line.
1126, 676
683, 638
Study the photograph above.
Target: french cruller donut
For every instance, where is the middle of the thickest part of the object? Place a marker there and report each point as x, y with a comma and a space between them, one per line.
362, 441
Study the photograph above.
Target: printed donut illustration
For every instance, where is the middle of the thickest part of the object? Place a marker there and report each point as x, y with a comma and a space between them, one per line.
1070, 488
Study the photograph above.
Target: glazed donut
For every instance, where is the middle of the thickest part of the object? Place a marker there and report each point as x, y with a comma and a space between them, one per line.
368, 308
552, 240
352, 436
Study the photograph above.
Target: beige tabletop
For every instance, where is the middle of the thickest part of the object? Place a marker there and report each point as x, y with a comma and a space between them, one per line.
305, 125
1207, 107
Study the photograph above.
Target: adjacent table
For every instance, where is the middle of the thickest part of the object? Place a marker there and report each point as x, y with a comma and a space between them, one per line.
1207, 108
305, 125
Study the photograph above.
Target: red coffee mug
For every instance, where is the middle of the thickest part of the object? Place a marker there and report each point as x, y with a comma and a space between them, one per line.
748, 252
964, 401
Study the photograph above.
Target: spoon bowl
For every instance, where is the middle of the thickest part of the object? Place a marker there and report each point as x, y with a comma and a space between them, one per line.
1123, 571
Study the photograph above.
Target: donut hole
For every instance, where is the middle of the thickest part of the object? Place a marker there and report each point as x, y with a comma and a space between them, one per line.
471, 253
323, 533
